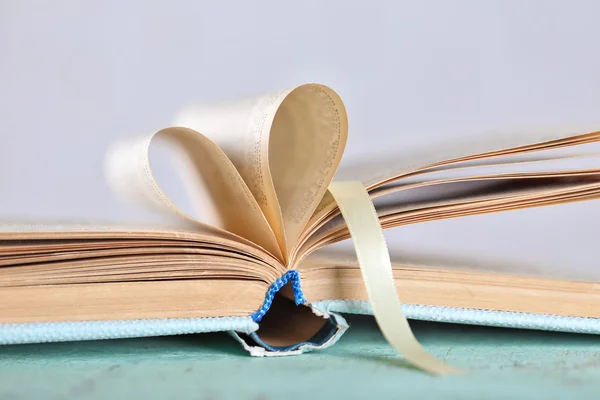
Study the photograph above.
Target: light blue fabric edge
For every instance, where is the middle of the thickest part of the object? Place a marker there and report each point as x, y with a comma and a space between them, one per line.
45, 332
96, 330
504, 319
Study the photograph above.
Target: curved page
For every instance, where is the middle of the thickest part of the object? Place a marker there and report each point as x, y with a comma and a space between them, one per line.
285, 145
227, 202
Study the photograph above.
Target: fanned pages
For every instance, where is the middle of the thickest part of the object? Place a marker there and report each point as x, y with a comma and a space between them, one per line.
259, 243
286, 146
221, 196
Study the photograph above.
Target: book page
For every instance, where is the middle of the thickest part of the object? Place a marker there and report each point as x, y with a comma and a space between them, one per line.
482, 150
286, 146
561, 166
222, 196
508, 243
436, 201
387, 166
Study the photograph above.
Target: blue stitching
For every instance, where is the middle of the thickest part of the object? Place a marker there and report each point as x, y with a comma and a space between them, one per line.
292, 275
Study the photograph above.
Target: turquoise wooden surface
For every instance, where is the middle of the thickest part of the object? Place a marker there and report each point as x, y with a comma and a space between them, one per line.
504, 364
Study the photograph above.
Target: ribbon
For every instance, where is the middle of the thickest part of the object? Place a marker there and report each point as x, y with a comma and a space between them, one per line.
372, 253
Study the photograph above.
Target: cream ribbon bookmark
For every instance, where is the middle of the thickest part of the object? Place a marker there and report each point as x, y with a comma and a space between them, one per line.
372, 253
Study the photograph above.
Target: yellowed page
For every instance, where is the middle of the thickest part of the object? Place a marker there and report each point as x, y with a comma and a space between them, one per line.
286, 146
226, 202
561, 166
389, 166
474, 204
135, 268
542, 153
131, 300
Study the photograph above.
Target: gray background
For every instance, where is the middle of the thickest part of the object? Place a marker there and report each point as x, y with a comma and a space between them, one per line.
76, 75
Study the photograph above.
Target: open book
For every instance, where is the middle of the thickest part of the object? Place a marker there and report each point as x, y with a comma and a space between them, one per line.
254, 257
